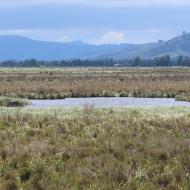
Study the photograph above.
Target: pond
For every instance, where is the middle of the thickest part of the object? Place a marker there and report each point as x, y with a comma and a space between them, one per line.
107, 102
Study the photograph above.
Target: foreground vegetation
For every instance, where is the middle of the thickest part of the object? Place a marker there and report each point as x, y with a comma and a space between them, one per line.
95, 149
39, 83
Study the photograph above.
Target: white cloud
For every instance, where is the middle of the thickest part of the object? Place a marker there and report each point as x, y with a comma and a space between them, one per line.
110, 38
115, 3
134, 36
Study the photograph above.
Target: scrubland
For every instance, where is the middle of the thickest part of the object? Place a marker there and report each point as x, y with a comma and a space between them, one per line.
95, 149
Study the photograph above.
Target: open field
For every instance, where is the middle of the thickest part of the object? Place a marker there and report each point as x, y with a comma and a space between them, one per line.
95, 149
90, 82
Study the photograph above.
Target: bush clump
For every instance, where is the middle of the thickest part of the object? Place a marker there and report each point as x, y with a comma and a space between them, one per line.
12, 102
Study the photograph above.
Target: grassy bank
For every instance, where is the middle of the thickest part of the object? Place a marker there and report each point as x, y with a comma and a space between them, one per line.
12, 102
95, 149
96, 82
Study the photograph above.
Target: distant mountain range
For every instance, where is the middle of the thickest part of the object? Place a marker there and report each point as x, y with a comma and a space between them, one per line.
21, 48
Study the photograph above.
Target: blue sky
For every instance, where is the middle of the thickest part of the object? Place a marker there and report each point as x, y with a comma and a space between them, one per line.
95, 21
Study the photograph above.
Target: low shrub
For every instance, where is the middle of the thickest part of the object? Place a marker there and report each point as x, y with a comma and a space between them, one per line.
12, 102
94, 149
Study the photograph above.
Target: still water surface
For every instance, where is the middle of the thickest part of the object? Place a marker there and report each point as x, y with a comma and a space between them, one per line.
107, 102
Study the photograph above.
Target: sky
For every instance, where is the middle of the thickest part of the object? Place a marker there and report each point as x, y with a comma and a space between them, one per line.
95, 21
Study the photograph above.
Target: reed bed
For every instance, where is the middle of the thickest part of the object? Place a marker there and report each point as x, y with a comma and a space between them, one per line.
95, 82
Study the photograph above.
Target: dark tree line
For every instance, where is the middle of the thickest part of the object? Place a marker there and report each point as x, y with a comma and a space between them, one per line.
164, 61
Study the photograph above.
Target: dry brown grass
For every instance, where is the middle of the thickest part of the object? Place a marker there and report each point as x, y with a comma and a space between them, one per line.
60, 83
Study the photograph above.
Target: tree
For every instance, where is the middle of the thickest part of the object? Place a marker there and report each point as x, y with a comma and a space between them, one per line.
137, 62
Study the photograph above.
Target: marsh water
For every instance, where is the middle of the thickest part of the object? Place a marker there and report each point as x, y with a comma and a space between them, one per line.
107, 102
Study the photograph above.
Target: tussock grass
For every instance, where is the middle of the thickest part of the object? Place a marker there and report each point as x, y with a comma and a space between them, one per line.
95, 149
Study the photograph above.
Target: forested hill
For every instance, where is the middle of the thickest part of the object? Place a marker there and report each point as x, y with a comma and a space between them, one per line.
21, 48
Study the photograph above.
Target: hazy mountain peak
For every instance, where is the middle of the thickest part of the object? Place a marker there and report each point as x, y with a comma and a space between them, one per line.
20, 48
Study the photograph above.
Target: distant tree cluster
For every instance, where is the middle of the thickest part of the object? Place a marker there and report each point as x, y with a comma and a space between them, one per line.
164, 61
